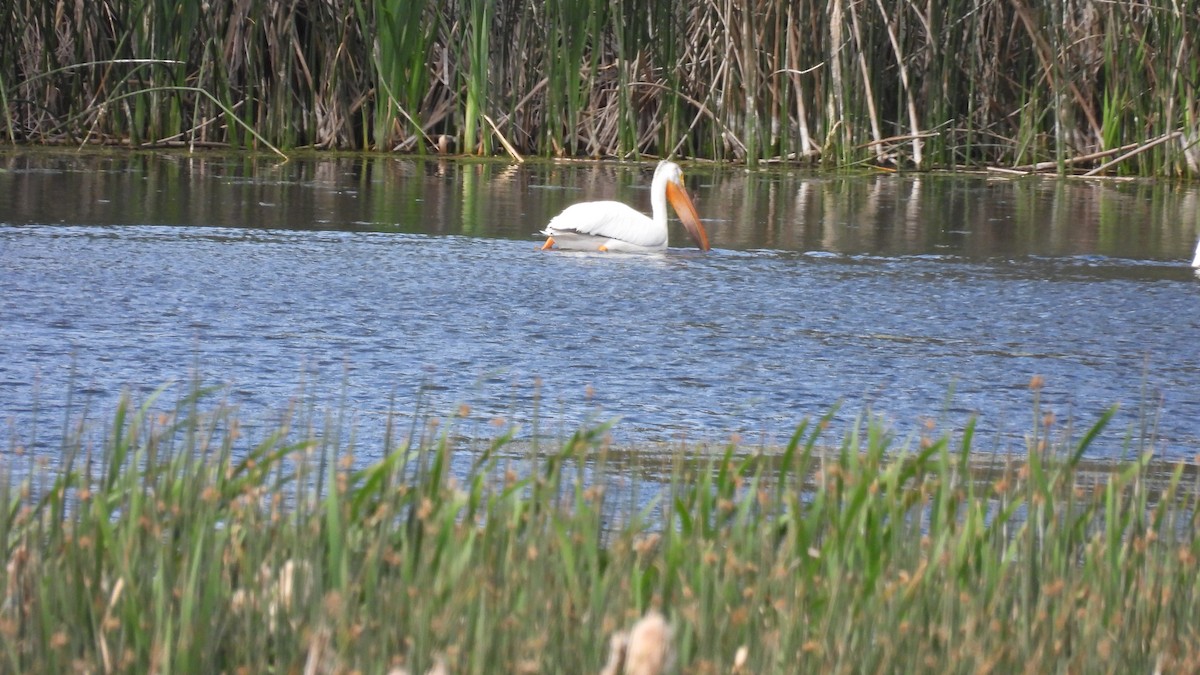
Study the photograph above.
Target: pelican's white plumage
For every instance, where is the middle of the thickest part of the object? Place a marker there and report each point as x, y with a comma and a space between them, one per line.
613, 226
1196, 259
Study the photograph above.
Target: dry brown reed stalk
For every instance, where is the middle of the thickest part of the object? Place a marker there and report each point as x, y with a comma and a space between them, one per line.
910, 103
18, 587
321, 658
868, 90
618, 643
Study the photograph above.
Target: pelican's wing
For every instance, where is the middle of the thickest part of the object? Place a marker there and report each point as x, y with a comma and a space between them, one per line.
592, 224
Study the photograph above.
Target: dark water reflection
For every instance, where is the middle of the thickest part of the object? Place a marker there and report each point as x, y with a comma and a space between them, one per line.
384, 281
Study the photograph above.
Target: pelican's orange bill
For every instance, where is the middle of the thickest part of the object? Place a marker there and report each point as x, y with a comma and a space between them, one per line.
687, 214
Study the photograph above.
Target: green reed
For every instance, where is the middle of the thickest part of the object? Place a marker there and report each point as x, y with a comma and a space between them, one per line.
478, 17
182, 543
403, 33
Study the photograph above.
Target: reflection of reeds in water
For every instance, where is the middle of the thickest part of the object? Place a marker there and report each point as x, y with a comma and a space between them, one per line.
949, 83
177, 544
775, 209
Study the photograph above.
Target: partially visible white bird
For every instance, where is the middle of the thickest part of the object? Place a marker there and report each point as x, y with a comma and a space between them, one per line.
1196, 259
613, 226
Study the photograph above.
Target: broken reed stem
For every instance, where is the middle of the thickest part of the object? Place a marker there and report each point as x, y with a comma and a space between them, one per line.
512, 152
1078, 159
1133, 153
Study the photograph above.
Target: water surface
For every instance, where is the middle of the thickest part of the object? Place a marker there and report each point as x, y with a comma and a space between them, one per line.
371, 284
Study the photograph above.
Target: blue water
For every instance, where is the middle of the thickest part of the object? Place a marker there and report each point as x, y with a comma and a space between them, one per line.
748, 339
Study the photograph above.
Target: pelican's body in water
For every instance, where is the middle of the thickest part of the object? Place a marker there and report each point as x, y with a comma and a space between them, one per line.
1196, 259
613, 226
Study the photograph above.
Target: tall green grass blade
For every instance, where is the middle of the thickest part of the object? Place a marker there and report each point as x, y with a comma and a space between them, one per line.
1092, 434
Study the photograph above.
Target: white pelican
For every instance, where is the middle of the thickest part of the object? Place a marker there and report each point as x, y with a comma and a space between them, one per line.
613, 226
1196, 260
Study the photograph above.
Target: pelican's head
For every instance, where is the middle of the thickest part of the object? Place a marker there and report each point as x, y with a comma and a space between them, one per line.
678, 196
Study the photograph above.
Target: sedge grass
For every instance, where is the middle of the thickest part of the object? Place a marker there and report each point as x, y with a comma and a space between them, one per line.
179, 545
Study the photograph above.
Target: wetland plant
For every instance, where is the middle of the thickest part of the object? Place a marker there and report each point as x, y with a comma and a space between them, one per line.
1061, 85
178, 544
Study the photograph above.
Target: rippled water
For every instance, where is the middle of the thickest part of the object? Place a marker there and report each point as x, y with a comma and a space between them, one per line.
371, 284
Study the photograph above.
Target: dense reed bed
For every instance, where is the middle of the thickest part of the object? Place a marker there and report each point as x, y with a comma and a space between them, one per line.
1065, 85
178, 545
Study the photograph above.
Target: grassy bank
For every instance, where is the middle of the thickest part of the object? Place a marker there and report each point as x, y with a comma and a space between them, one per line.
177, 546
1060, 85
